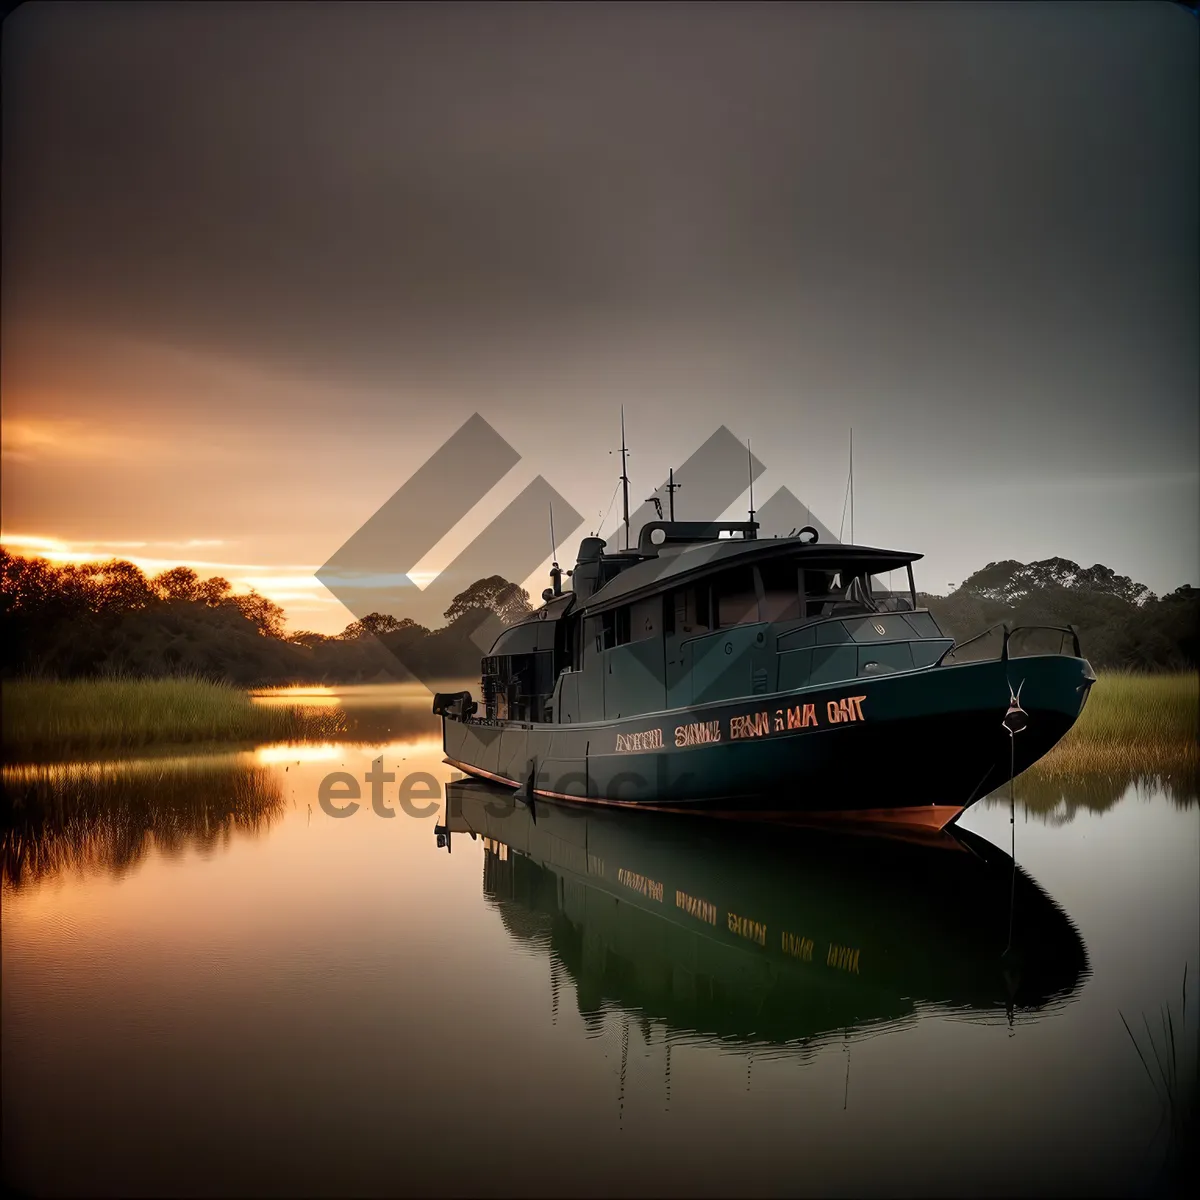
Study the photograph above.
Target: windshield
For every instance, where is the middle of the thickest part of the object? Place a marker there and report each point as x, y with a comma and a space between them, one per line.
783, 590
850, 591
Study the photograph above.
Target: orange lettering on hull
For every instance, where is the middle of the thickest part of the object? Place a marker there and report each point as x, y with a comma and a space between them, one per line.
627, 743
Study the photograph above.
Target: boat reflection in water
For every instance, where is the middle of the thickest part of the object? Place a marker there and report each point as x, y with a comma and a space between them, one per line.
769, 937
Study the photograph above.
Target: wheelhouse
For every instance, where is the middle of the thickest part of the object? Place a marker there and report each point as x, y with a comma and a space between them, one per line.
697, 614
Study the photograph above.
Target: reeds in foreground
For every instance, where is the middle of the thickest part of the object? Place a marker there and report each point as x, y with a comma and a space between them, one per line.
1175, 1089
57, 718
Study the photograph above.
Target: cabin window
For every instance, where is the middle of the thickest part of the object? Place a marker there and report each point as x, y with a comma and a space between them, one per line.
645, 619
822, 589
593, 633
891, 598
735, 598
847, 592
780, 591
614, 628
690, 607
855, 594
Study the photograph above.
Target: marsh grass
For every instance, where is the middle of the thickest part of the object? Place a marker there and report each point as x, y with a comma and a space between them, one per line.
1134, 729
105, 817
55, 718
1175, 1083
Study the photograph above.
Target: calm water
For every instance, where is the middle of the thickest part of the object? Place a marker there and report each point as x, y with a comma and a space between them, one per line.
211, 986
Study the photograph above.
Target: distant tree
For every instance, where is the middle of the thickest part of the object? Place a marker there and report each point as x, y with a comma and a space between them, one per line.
308, 639
214, 590
179, 583
1009, 581
1120, 622
494, 594
29, 584
268, 616
120, 586
372, 625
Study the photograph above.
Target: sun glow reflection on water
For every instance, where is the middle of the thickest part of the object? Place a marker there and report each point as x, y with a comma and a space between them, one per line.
288, 752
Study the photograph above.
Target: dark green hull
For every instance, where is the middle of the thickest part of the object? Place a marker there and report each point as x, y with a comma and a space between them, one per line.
917, 746
774, 936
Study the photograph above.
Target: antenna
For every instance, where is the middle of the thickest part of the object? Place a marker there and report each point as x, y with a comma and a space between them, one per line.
671, 488
555, 569
852, 485
847, 497
624, 477
750, 469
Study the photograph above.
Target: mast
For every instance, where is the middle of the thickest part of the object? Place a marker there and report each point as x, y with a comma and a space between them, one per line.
672, 488
555, 569
624, 478
852, 485
750, 469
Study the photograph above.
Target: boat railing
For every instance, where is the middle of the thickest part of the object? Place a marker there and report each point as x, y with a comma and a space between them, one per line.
1007, 633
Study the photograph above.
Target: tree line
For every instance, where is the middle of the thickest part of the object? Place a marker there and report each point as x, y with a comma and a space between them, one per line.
1122, 625
79, 620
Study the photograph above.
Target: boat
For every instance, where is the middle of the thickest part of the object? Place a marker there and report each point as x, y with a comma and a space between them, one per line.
708, 669
769, 936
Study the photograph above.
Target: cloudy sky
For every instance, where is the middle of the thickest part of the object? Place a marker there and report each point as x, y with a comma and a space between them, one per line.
260, 261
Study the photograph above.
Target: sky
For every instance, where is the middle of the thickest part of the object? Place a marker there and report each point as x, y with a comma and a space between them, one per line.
260, 261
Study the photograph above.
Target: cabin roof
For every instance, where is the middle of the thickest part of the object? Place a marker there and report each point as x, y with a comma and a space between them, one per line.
677, 563
549, 610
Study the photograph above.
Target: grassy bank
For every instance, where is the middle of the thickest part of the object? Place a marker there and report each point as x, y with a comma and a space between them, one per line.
1132, 724
94, 715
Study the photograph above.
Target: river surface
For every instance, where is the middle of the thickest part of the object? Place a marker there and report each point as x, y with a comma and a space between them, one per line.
213, 986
